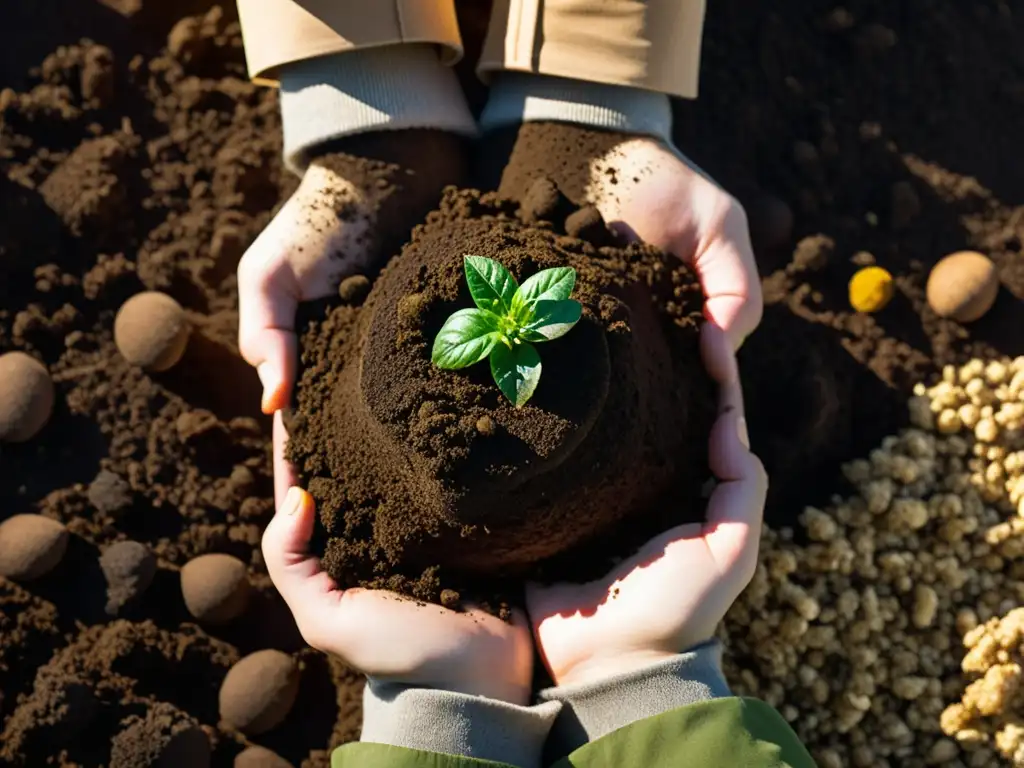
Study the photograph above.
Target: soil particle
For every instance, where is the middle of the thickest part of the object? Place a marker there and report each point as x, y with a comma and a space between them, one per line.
164, 737
544, 202
216, 588
31, 546
88, 190
259, 691
129, 568
97, 78
353, 289
588, 224
26, 397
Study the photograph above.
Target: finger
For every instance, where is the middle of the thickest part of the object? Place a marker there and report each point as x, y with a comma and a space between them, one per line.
267, 300
736, 507
728, 275
310, 593
284, 471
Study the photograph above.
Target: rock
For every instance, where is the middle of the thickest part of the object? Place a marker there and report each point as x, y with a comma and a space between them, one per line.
31, 546
26, 397
129, 568
215, 587
485, 426
151, 331
164, 738
260, 757
259, 691
963, 286
110, 493
354, 289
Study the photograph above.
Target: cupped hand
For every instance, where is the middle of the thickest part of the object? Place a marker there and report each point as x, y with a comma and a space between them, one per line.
648, 190
390, 637
353, 208
302, 255
671, 595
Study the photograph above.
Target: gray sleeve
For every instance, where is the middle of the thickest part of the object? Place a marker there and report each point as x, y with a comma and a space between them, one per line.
593, 710
456, 724
517, 97
392, 88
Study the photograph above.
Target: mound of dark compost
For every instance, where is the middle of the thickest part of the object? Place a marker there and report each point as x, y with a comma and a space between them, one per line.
428, 479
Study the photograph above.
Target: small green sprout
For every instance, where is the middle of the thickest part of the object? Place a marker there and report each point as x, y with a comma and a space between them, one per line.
508, 320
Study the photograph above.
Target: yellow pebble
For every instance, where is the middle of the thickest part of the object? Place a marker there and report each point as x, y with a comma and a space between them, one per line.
871, 289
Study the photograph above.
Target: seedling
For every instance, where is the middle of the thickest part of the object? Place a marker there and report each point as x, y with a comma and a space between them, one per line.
508, 320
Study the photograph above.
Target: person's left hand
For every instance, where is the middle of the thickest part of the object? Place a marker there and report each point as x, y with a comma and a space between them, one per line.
672, 594
389, 637
664, 201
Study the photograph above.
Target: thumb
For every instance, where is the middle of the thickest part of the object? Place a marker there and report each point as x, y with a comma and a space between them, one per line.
267, 301
286, 541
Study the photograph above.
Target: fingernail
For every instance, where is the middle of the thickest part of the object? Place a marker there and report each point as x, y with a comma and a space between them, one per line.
263, 370
292, 500
741, 432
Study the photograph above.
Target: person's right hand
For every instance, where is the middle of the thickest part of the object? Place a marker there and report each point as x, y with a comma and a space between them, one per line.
332, 227
393, 638
671, 595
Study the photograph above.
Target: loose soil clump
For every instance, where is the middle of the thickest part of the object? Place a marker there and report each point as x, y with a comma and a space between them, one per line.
424, 476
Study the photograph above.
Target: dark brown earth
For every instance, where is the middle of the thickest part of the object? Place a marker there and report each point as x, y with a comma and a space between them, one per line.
145, 160
414, 496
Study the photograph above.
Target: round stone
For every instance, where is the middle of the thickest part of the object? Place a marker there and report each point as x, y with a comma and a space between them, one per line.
26, 397
151, 331
258, 692
215, 587
31, 546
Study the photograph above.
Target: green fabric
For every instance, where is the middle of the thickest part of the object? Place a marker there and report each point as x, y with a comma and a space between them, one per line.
721, 733
366, 755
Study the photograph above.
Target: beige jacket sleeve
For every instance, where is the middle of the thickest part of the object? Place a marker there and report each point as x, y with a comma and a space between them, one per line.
279, 32
649, 44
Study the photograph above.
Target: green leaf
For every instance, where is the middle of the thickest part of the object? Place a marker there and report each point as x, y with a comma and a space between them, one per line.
547, 285
466, 337
516, 371
552, 319
490, 284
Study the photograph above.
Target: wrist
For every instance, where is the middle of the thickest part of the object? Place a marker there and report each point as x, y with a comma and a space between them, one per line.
451, 723
518, 97
597, 669
390, 88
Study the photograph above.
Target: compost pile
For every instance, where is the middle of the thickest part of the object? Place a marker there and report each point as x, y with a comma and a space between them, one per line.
135, 156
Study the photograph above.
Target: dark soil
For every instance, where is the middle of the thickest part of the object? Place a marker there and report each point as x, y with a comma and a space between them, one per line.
126, 165
415, 496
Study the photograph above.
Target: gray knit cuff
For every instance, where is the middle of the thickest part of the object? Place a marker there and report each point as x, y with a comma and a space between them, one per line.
596, 709
456, 724
523, 97
392, 88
